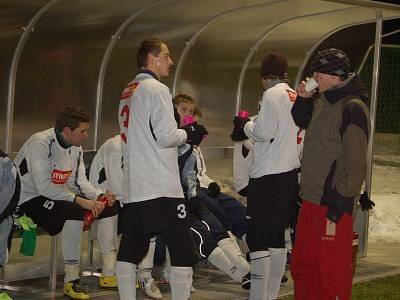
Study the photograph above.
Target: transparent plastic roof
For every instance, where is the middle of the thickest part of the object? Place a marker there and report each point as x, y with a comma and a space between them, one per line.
84, 51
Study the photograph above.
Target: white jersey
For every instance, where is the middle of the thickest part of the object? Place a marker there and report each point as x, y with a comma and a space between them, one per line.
274, 133
201, 168
49, 170
106, 169
242, 164
149, 129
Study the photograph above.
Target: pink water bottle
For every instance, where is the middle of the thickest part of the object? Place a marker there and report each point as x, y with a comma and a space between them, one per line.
243, 114
89, 217
188, 120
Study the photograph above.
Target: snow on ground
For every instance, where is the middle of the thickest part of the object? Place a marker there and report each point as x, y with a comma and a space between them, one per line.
384, 222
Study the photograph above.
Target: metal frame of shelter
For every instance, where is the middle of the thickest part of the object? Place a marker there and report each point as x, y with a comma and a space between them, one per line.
378, 7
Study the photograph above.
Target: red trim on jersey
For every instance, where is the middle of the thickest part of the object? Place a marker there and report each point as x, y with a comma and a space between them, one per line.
129, 90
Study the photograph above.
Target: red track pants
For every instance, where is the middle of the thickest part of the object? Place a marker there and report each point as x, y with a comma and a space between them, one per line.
321, 258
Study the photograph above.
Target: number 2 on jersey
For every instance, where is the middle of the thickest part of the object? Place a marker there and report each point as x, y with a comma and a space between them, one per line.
125, 120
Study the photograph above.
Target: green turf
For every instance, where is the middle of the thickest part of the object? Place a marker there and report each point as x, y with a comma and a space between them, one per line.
387, 288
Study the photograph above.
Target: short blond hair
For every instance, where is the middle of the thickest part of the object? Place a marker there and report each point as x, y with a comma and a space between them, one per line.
182, 98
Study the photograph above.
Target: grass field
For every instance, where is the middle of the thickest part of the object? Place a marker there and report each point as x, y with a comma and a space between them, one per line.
387, 288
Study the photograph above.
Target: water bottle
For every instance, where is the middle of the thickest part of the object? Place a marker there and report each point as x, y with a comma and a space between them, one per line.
89, 217
188, 120
243, 114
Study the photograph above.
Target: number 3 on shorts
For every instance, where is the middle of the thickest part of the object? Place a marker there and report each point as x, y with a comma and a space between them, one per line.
48, 204
181, 211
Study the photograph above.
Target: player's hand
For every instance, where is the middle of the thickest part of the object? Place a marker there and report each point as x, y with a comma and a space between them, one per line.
195, 133
365, 202
213, 189
110, 198
95, 206
300, 90
238, 134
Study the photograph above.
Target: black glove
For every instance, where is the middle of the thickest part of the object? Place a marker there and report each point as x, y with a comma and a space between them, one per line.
365, 202
195, 133
333, 214
238, 134
337, 205
213, 189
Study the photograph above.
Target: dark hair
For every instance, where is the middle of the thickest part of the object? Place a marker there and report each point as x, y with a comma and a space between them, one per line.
182, 98
147, 46
72, 117
274, 65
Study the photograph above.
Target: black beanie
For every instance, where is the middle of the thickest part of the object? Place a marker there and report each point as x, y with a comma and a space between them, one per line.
332, 62
274, 65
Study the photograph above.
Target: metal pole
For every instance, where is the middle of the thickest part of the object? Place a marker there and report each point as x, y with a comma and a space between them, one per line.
315, 46
53, 263
106, 57
13, 72
374, 99
195, 36
254, 49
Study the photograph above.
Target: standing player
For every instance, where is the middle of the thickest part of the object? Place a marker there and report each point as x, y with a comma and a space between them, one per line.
106, 174
272, 187
154, 201
55, 192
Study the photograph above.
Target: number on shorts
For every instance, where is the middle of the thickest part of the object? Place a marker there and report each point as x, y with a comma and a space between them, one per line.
181, 211
48, 204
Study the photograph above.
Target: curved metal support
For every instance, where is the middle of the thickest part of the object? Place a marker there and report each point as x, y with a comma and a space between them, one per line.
195, 36
106, 57
254, 48
13, 71
369, 51
374, 100
316, 45
390, 33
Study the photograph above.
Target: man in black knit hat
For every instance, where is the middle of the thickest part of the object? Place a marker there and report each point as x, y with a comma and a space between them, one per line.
272, 189
333, 169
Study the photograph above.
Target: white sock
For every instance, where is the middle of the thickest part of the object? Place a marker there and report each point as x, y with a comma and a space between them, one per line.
260, 265
288, 240
109, 260
71, 236
146, 265
278, 262
222, 262
71, 272
167, 265
126, 278
106, 233
181, 281
234, 254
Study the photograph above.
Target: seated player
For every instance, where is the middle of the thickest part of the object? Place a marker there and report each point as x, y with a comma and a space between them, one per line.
10, 187
229, 211
211, 237
55, 192
106, 174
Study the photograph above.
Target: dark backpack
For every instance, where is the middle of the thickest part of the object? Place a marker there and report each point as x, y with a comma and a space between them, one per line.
10, 187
